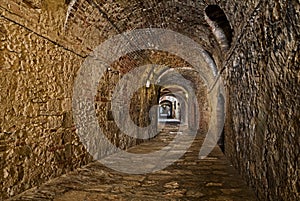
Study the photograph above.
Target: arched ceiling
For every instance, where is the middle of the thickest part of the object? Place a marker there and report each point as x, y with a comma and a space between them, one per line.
98, 20
95, 21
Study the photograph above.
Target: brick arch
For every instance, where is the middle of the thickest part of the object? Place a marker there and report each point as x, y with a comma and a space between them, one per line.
218, 21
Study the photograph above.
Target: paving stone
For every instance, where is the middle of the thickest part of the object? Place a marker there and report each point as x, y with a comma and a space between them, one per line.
211, 179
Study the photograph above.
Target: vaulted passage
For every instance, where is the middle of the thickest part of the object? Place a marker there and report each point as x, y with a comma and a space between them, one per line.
149, 100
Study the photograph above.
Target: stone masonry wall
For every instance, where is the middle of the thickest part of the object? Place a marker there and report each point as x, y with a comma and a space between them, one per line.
38, 139
38, 64
140, 105
263, 111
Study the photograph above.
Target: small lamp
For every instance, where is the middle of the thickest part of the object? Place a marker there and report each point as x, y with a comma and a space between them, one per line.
147, 83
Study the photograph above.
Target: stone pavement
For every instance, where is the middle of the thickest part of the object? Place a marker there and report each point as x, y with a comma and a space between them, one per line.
189, 178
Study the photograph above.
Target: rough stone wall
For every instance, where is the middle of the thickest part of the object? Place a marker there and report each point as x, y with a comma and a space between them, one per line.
141, 103
37, 135
38, 139
201, 93
262, 82
38, 64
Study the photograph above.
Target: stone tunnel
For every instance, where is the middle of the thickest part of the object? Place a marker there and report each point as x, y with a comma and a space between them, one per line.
84, 80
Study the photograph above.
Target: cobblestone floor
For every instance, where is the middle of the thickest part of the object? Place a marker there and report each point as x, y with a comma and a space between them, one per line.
209, 179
